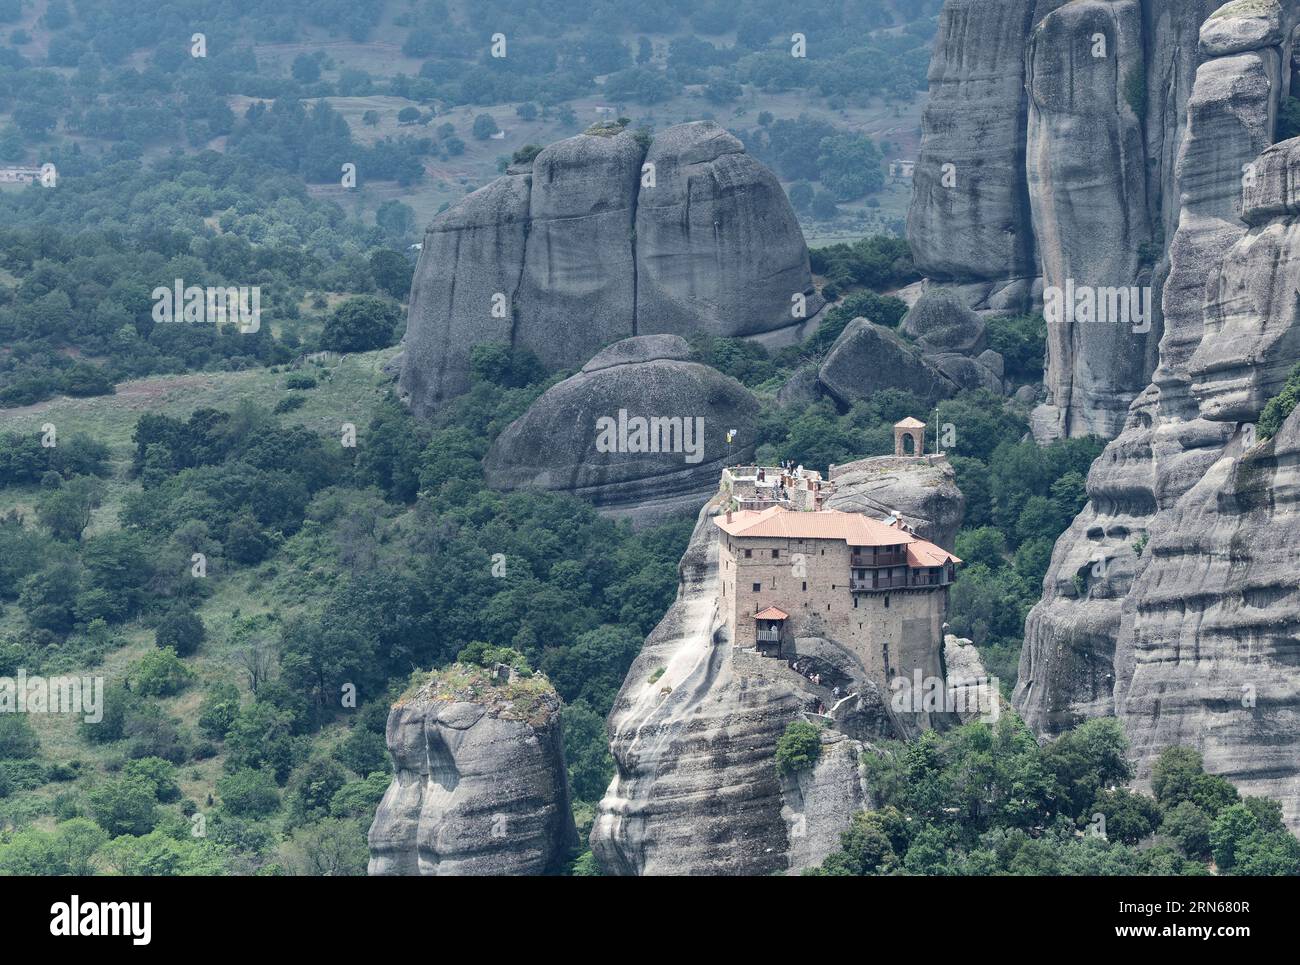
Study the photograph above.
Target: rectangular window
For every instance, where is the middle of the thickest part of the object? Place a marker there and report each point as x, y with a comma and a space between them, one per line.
758, 587
749, 554
805, 586
776, 554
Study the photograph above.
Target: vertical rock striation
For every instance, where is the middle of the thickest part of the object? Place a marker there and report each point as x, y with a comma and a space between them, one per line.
1067, 665
969, 223
719, 248
1048, 155
471, 253
1208, 649
480, 785
1086, 167
1171, 601
578, 290
602, 240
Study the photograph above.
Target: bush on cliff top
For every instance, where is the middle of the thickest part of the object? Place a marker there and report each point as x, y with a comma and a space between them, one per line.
798, 748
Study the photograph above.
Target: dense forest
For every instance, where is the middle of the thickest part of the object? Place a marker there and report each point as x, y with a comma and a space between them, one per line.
256, 545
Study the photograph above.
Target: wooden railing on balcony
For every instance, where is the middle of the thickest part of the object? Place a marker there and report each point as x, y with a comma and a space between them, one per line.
881, 559
769, 636
875, 582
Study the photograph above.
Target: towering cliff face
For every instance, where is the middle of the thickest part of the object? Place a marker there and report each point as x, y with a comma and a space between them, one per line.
719, 248
1206, 654
694, 729
471, 254
480, 785
579, 274
969, 223
1170, 589
1087, 185
602, 240
1048, 159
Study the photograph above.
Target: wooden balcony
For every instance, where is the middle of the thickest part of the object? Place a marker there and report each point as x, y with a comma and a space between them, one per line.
876, 583
769, 636
880, 559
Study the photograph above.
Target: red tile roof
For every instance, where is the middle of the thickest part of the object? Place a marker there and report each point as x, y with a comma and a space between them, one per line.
772, 613
922, 553
777, 522
781, 523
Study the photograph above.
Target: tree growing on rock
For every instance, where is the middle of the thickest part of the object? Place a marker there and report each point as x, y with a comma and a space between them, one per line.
798, 748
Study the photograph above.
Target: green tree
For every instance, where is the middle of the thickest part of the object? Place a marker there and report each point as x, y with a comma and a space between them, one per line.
869, 845
125, 806
1087, 759
359, 799
984, 545
1130, 816
798, 748
592, 669
392, 272
361, 323
1280, 407
68, 850
313, 786
245, 542
219, 709
1267, 853
397, 221
504, 365
331, 847
586, 751
67, 510
1189, 826
182, 630
17, 739
160, 774
1234, 824
249, 793
305, 69
1178, 776
262, 736
849, 165
160, 673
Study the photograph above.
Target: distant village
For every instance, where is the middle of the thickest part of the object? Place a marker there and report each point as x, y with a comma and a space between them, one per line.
15, 175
